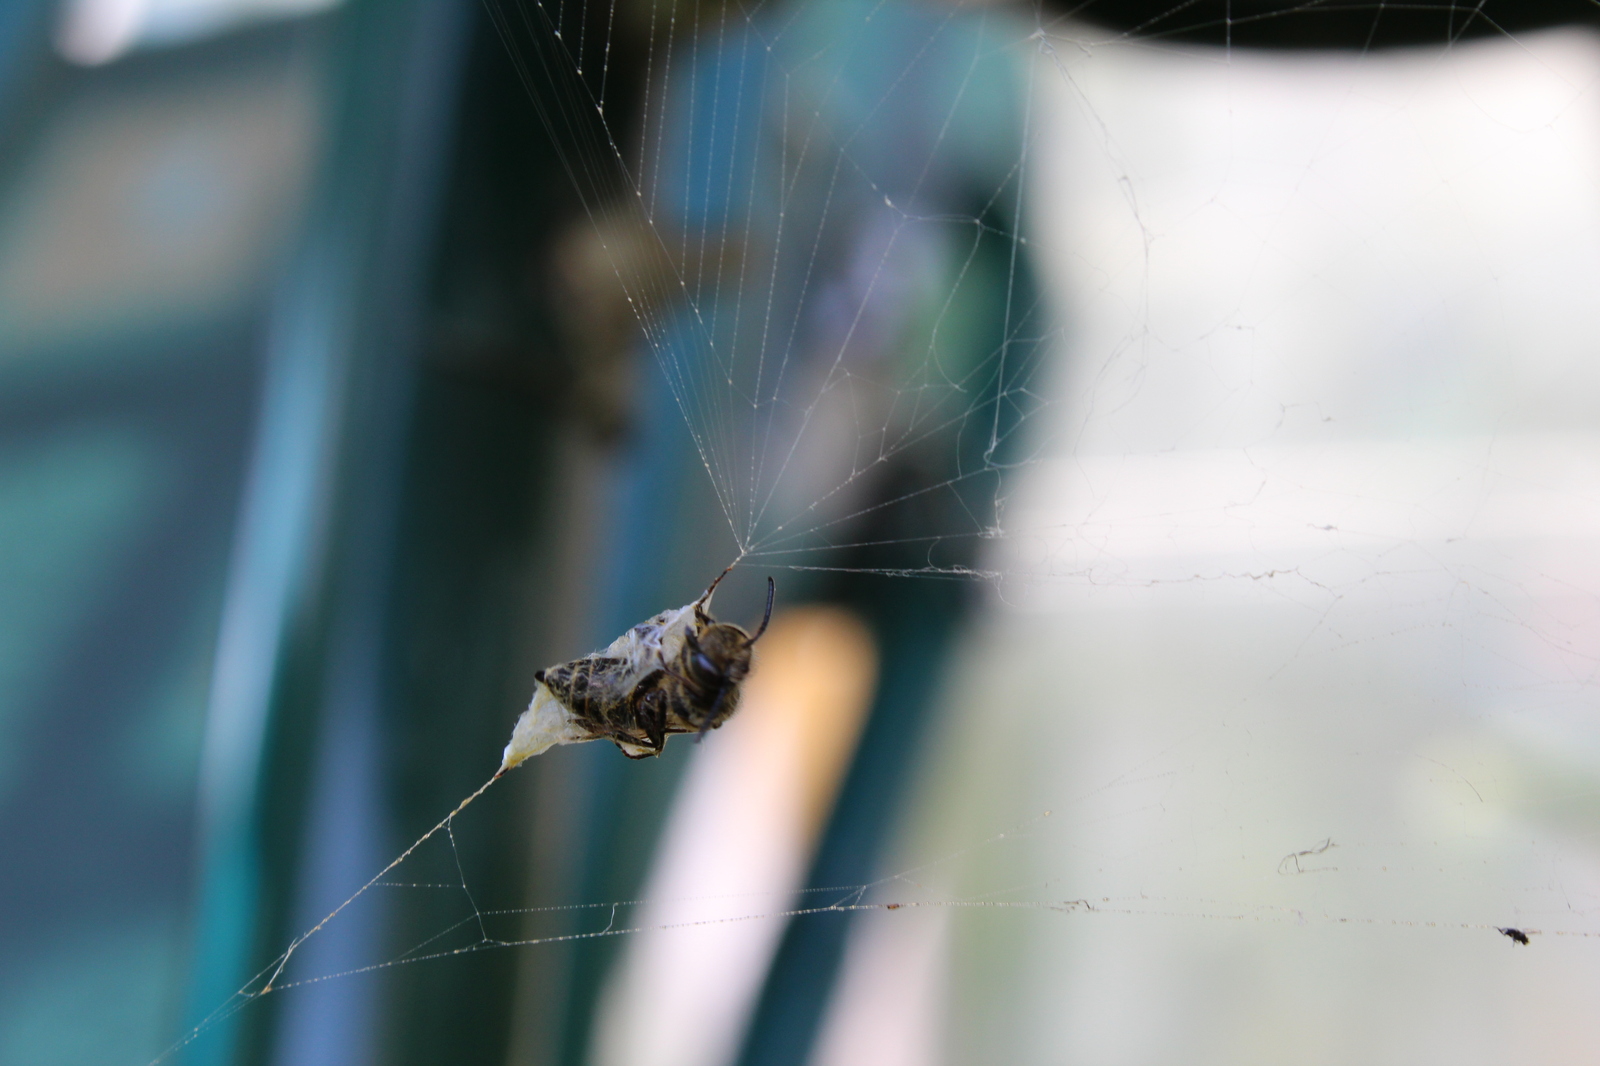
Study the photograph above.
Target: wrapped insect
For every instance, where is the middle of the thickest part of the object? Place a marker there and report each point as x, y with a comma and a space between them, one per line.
678, 672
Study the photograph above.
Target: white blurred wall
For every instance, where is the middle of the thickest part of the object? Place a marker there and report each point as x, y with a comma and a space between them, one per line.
1311, 559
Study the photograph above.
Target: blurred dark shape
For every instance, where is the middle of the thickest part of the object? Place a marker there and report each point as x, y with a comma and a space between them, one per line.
1328, 24
598, 325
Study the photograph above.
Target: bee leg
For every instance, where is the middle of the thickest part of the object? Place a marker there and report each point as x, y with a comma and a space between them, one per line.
711, 715
634, 755
649, 709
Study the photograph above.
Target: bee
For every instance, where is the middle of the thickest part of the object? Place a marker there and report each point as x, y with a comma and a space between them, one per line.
678, 672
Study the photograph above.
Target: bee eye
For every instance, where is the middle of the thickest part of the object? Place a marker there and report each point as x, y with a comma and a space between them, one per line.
703, 664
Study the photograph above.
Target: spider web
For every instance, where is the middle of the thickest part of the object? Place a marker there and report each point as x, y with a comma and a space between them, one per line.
818, 244
1259, 389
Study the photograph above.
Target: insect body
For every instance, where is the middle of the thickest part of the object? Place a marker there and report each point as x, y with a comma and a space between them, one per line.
678, 672
1515, 934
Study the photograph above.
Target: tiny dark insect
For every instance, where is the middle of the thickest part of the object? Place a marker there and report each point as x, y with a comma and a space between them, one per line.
1515, 934
678, 672
893, 906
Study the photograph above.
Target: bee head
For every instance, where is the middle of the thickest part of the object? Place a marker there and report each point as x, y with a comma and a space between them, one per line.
719, 654
716, 659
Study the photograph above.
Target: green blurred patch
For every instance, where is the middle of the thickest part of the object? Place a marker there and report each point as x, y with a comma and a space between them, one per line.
159, 747
69, 504
100, 996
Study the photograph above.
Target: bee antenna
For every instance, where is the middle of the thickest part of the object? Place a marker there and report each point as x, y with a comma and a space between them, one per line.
705, 597
772, 590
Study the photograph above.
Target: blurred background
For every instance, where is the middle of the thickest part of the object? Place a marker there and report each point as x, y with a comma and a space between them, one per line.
1171, 427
